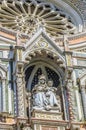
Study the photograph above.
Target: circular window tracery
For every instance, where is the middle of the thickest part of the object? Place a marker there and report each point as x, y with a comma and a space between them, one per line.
29, 15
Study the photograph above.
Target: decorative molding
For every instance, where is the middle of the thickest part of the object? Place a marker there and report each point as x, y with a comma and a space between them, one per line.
80, 6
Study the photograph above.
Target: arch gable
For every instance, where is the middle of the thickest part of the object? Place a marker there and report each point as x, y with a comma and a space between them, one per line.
42, 42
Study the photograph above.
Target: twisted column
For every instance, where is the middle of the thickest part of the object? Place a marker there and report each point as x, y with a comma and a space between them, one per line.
20, 93
20, 81
71, 100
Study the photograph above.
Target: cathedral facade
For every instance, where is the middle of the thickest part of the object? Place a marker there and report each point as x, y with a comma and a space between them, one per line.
42, 64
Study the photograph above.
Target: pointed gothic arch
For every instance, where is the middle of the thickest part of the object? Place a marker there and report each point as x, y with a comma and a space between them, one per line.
41, 66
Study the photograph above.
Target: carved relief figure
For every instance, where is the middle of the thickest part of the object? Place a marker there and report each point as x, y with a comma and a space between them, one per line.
44, 95
51, 94
38, 93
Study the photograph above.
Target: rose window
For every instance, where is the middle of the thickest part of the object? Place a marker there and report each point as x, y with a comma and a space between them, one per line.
28, 16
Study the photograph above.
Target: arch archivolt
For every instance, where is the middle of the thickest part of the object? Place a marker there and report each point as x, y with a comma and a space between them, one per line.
42, 63
48, 62
82, 77
44, 52
69, 10
83, 80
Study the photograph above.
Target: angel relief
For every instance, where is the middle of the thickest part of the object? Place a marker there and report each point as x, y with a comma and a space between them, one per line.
44, 95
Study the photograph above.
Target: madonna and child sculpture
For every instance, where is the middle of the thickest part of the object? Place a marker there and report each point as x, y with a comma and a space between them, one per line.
44, 95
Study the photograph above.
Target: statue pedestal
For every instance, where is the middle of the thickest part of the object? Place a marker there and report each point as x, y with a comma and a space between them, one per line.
48, 120
47, 115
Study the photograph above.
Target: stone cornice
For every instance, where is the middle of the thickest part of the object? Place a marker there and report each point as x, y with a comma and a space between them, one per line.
60, 122
78, 39
13, 33
76, 36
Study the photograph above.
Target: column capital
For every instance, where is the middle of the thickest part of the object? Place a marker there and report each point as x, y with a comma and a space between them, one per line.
70, 69
20, 47
3, 78
69, 72
20, 63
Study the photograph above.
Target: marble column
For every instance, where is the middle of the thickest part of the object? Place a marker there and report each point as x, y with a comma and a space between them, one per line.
83, 94
0, 95
64, 98
4, 94
77, 94
29, 104
78, 102
10, 99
